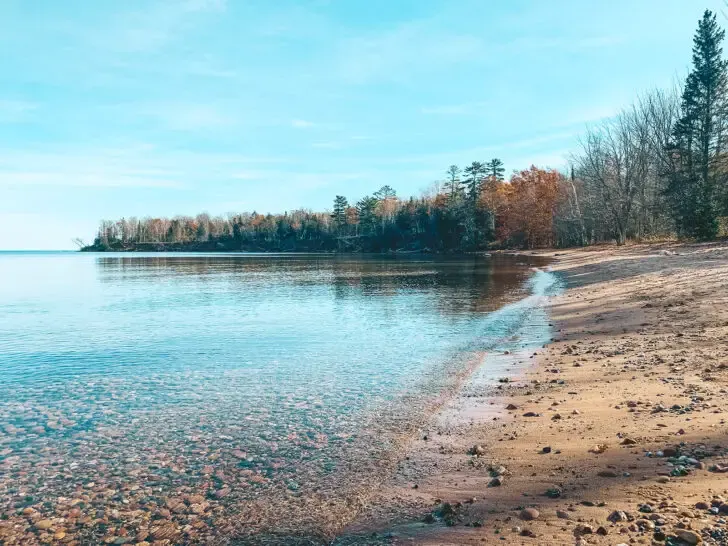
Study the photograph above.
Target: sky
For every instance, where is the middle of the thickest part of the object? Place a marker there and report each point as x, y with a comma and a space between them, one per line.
166, 107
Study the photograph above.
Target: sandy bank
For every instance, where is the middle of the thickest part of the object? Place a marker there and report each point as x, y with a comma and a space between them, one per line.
638, 365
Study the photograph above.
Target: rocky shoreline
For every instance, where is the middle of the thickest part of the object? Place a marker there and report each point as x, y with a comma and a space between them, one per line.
617, 435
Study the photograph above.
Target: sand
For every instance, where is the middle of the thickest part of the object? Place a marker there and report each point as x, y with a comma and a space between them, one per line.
637, 375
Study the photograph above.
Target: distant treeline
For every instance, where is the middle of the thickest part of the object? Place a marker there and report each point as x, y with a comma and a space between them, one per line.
657, 169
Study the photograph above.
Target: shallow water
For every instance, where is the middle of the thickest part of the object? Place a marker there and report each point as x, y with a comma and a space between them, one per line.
231, 375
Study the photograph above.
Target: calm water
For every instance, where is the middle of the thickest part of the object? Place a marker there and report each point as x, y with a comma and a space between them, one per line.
233, 374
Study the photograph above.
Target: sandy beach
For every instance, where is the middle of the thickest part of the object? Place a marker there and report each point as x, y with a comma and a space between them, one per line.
615, 434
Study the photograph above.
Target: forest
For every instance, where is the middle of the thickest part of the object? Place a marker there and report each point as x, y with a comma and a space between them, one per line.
655, 170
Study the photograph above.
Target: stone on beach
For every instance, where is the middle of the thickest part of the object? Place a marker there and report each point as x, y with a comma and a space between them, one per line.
529, 514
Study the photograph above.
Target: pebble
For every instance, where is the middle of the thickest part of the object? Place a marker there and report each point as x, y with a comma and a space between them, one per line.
689, 537
529, 514
617, 516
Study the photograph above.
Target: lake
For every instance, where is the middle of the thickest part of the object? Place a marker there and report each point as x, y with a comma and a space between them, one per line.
187, 395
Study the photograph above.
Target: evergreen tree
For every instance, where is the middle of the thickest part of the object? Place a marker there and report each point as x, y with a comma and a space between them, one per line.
366, 209
453, 185
694, 185
494, 169
385, 192
475, 172
339, 212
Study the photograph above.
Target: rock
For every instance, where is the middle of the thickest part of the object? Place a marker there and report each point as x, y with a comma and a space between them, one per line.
529, 514
553, 493
511, 407
583, 529
670, 452
476, 450
531, 414
689, 537
723, 509
166, 531
198, 509
496, 482
602, 531
546, 449
617, 516
556, 417
702, 505
607, 474
645, 524
562, 514
44, 524
599, 448
628, 442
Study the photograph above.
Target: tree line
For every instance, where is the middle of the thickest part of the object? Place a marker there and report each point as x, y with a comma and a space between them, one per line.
657, 169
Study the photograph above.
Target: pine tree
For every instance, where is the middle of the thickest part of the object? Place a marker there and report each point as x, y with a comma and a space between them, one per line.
453, 185
494, 169
475, 172
339, 212
385, 192
698, 136
366, 210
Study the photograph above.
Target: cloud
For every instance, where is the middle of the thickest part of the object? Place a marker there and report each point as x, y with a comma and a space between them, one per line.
536, 144
204, 5
12, 111
85, 178
395, 54
158, 25
326, 145
302, 124
468, 108
301, 180
132, 166
187, 116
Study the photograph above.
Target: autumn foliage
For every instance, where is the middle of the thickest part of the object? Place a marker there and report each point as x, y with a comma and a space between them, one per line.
524, 208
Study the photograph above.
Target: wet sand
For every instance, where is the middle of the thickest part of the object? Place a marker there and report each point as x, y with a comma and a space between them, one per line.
616, 433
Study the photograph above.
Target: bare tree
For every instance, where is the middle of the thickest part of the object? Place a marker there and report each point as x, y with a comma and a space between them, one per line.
614, 163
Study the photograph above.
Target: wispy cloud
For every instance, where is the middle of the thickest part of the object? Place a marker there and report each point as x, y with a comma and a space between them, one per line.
159, 25
204, 5
133, 166
12, 111
326, 145
187, 116
302, 124
409, 48
468, 108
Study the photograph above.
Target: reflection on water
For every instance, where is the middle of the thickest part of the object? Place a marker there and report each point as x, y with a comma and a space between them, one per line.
226, 375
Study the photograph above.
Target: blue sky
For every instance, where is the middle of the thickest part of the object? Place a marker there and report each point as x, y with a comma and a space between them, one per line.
163, 107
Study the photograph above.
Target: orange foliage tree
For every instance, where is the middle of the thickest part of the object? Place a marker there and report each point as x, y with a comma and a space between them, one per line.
525, 207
